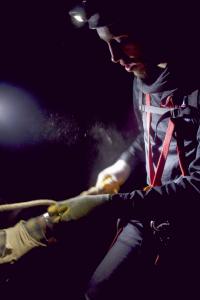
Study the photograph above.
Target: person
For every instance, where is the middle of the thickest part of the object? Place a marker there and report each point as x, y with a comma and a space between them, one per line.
151, 45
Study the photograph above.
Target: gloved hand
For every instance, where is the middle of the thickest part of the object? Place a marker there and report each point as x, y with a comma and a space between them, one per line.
18, 241
77, 207
110, 179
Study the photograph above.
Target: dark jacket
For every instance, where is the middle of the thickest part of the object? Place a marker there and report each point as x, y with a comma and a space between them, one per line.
171, 199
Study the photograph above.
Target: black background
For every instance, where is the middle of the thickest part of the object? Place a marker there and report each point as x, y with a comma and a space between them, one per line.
68, 70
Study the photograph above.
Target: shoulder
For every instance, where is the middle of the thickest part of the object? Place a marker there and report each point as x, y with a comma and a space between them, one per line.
194, 98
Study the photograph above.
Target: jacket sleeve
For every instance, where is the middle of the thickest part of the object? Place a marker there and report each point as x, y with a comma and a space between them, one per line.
135, 153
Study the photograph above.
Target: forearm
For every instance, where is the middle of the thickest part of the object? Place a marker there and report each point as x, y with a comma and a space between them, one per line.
135, 153
177, 199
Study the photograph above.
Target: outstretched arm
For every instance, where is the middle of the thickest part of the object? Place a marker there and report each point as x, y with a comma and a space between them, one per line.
16, 241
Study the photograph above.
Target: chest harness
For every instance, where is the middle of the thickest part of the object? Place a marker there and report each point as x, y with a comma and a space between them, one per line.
175, 114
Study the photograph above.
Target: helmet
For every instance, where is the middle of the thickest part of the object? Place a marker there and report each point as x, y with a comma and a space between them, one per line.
102, 12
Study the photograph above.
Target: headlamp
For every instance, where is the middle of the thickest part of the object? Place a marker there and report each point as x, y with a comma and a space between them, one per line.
101, 13
78, 15
94, 14
79, 18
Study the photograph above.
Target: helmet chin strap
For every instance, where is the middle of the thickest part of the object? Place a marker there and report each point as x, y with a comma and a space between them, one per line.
22, 205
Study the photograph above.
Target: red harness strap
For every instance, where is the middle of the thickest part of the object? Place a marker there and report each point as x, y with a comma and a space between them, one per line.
155, 176
163, 154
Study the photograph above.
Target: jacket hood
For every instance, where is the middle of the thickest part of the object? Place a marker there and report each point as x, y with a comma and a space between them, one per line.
174, 79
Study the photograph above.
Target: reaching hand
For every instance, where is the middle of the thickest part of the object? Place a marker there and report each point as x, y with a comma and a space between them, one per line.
76, 208
110, 179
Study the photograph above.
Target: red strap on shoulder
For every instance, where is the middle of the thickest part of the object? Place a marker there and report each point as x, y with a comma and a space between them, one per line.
155, 176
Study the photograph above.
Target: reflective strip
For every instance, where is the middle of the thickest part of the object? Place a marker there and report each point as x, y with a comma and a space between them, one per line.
151, 168
155, 109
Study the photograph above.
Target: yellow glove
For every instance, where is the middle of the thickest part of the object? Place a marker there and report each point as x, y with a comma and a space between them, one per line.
110, 179
107, 186
77, 207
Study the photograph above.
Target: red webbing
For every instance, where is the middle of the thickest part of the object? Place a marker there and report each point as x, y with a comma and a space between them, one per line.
155, 176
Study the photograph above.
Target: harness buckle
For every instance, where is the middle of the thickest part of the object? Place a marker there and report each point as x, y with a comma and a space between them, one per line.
176, 113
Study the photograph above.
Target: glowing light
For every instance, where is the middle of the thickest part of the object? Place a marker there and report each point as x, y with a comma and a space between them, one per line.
20, 116
79, 18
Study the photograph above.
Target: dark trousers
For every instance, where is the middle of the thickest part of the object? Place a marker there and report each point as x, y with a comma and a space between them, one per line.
123, 271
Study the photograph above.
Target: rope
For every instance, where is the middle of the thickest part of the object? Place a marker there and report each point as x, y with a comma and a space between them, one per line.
12, 206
